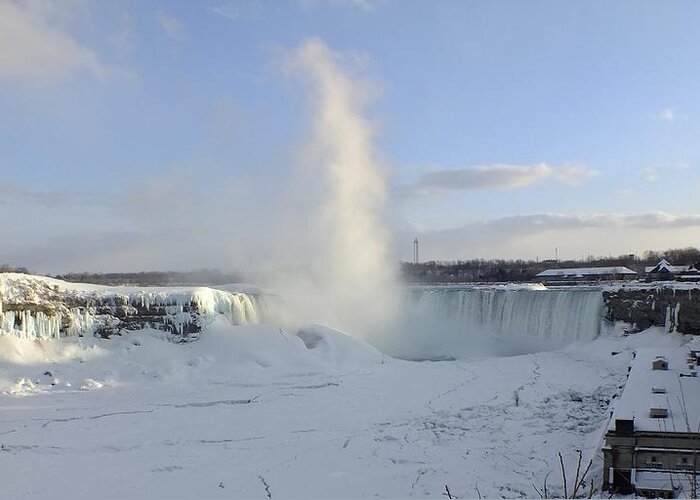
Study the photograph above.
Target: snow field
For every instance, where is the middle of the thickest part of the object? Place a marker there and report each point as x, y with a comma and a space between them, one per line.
250, 409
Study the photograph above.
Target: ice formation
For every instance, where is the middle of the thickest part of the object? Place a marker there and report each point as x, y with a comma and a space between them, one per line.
34, 307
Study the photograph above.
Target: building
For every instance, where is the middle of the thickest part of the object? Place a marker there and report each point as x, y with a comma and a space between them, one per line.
586, 274
652, 444
665, 271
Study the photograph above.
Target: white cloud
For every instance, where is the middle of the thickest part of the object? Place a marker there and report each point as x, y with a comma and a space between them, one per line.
170, 24
32, 49
669, 115
19, 196
124, 38
528, 236
653, 173
229, 10
234, 10
361, 5
496, 176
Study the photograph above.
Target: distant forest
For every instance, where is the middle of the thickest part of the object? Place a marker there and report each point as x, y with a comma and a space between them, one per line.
459, 271
155, 278
148, 278
499, 270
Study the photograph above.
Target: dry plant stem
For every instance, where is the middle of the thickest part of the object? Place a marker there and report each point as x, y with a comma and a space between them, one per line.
563, 475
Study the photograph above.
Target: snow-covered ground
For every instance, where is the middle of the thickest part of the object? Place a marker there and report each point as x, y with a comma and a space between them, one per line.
254, 411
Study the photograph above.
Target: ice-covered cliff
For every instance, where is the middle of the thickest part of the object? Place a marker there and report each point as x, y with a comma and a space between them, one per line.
675, 306
39, 307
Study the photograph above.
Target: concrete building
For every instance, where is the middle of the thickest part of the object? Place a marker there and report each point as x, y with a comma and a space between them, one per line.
652, 444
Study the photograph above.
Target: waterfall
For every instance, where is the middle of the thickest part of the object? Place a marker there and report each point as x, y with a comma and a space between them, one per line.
566, 315
445, 322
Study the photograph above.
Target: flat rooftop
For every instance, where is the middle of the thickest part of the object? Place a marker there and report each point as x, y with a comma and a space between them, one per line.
672, 389
585, 271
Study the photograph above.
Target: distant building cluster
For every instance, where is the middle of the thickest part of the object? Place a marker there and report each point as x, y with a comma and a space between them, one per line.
664, 270
661, 271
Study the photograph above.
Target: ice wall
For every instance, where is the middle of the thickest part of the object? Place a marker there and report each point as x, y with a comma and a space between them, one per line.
41, 308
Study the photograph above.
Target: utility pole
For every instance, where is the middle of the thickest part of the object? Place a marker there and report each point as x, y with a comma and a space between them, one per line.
415, 251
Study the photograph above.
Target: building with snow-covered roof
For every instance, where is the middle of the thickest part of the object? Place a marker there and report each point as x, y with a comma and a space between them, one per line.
586, 274
653, 438
664, 270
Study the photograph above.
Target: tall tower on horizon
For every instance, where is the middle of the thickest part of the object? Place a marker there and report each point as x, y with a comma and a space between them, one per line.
415, 251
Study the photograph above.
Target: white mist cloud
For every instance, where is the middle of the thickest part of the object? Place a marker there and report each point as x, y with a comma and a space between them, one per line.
19, 196
361, 5
666, 115
171, 25
236, 10
669, 115
351, 266
124, 39
229, 10
32, 49
653, 173
498, 176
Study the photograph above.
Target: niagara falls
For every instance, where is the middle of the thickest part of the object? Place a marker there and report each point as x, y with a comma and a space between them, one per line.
349, 249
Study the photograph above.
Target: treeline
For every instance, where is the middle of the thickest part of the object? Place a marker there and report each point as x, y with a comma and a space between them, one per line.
4, 268
499, 270
154, 278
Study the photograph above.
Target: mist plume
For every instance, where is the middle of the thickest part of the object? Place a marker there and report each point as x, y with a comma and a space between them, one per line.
350, 267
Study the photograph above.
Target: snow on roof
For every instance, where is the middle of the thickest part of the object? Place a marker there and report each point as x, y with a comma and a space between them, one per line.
665, 266
681, 399
586, 271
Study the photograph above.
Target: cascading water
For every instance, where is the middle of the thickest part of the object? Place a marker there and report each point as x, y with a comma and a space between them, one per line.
566, 315
449, 322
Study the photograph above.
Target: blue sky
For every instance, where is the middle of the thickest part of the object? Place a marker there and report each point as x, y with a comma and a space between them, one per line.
159, 135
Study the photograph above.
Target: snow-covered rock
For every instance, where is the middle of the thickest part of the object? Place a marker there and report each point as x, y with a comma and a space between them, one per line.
39, 307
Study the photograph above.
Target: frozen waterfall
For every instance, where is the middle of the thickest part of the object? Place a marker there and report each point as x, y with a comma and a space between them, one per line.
566, 315
445, 322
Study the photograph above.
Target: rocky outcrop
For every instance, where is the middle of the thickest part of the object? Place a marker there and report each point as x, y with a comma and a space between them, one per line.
676, 309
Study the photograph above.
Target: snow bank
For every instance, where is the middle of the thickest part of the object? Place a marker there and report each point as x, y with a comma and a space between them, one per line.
337, 348
90, 363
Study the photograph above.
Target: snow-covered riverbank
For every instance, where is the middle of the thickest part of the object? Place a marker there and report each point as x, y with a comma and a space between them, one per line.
252, 410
